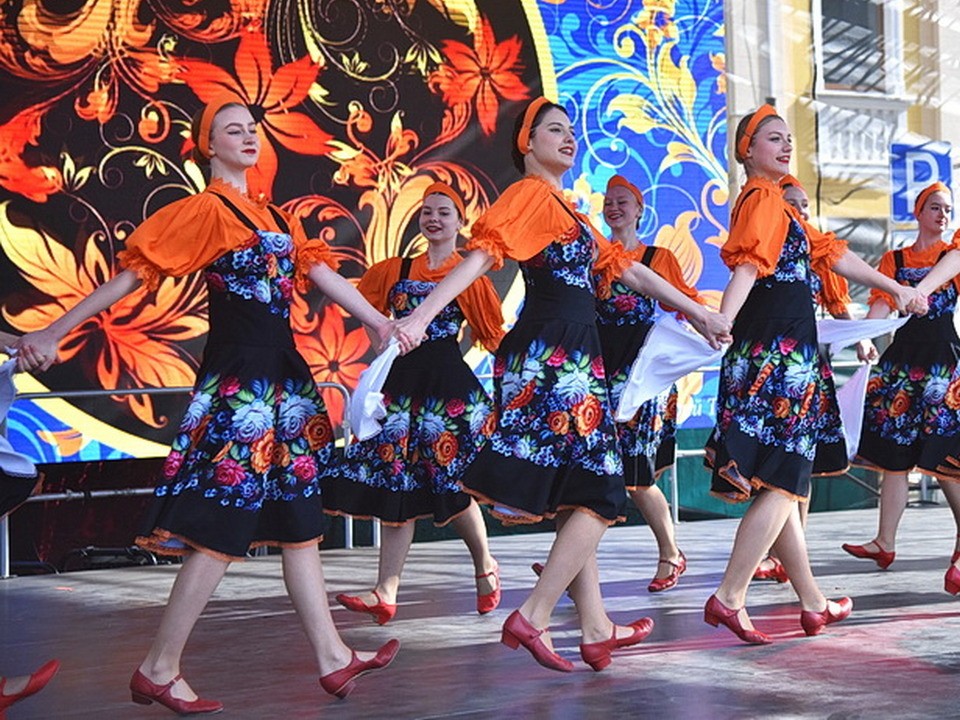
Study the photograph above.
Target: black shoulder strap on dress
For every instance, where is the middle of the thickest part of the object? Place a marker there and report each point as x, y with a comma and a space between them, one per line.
236, 211
278, 218
405, 264
898, 259
648, 255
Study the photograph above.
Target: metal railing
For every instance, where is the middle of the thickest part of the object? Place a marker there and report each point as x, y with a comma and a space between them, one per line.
71, 495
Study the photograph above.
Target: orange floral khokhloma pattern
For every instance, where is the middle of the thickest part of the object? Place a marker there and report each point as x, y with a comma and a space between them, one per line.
358, 114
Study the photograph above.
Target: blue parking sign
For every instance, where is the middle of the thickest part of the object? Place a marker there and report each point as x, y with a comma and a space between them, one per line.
912, 168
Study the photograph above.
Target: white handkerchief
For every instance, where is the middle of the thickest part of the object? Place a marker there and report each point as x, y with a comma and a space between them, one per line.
840, 333
850, 399
11, 462
671, 350
366, 405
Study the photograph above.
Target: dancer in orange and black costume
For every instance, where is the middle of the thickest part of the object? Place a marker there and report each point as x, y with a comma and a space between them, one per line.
243, 467
552, 451
624, 317
436, 410
911, 419
777, 416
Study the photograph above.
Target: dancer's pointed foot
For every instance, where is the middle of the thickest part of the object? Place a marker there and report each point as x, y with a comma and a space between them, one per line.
382, 611
813, 622
735, 620
341, 682
871, 551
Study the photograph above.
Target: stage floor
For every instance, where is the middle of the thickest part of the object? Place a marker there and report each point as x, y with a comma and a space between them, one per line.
897, 656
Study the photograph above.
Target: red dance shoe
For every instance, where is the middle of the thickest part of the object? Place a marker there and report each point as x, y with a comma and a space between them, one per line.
597, 654
37, 682
489, 601
777, 572
813, 623
678, 569
716, 613
382, 612
143, 691
881, 557
955, 557
518, 631
951, 581
537, 568
340, 682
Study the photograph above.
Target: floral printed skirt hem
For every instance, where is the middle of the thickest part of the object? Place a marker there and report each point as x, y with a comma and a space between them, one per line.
391, 507
163, 542
532, 493
642, 471
177, 524
936, 456
742, 466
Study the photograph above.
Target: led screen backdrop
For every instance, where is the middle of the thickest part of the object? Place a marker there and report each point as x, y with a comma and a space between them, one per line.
362, 104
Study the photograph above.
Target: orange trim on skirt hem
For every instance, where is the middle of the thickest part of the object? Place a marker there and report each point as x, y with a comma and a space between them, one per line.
745, 493
524, 517
154, 543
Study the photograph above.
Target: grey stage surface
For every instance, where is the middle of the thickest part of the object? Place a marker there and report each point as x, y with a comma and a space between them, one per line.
898, 655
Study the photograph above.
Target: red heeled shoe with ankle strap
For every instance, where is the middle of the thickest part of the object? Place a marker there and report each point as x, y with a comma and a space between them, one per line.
382, 612
340, 682
951, 581
777, 572
881, 557
597, 654
37, 682
518, 631
488, 602
665, 583
813, 622
144, 691
716, 613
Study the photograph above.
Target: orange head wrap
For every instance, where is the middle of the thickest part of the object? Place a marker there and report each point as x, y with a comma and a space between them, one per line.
790, 181
925, 195
444, 189
621, 181
523, 138
762, 113
206, 119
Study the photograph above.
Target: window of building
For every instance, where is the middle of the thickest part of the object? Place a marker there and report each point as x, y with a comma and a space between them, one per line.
854, 45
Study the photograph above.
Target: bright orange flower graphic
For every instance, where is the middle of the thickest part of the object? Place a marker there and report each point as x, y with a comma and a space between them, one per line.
480, 76
135, 343
334, 355
271, 97
35, 183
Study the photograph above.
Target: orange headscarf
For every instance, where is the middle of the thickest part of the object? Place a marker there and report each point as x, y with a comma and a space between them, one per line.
523, 137
206, 120
789, 180
759, 115
925, 195
621, 181
444, 189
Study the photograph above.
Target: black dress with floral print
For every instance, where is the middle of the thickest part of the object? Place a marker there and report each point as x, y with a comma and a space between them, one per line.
911, 416
437, 413
554, 444
778, 421
243, 468
648, 439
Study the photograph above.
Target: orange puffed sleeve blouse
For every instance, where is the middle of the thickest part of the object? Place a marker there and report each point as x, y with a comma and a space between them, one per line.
528, 216
664, 263
915, 259
479, 302
189, 234
759, 224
